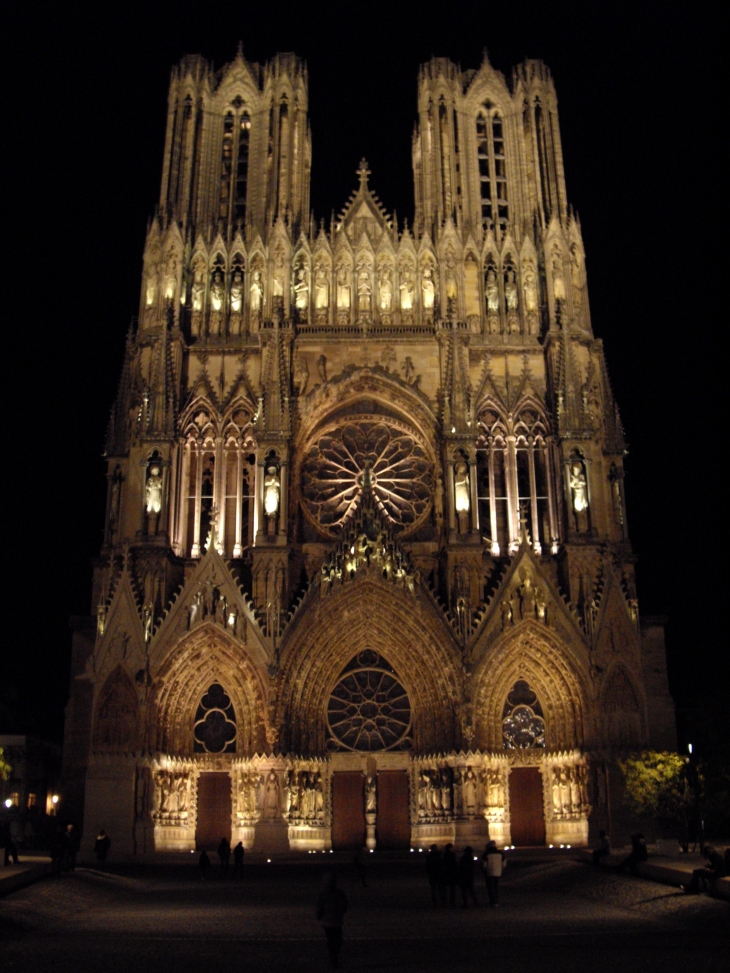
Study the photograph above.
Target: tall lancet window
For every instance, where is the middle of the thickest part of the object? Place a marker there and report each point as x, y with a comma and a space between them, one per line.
239, 205
226, 166
492, 167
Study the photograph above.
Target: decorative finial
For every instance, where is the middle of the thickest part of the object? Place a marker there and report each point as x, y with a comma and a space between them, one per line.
363, 172
239, 50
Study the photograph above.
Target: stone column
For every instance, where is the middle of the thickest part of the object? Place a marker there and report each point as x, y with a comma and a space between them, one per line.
473, 494
195, 549
533, 501
238, 547
493, 504
283, 498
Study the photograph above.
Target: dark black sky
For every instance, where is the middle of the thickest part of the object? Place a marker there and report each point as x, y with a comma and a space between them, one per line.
85, 116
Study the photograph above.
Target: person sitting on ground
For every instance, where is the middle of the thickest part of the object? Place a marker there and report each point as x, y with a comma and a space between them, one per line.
705, 879
639, 853
434, 870
466, 877
493, 864
331, 909
604, 848
101, 846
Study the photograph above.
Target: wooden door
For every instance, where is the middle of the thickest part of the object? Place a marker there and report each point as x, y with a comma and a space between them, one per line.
214, 811
348, 811
526, 807
394, 819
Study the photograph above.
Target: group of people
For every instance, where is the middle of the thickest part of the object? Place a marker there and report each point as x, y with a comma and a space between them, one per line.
446, 872
224, 856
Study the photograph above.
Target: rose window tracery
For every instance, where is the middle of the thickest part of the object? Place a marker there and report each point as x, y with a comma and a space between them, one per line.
523, 726
369, 708
400, 470
215, 723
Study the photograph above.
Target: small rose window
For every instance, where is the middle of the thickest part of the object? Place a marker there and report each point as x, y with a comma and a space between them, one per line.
523, 726
215, 723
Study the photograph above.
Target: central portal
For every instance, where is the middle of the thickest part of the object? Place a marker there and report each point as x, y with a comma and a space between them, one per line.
348, 812
214, 811
527, 814
394, 824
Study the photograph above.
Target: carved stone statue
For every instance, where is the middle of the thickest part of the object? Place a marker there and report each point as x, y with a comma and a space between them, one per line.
237, 293
407, 290
445, 792
301, 290
470, 791
385, 288
530, 289
557, 274
321, 286
458, 792
301, 374
277, 278
272, 491
170, 276
343, 286
492, 292
217, 291
151, 286
510, 291
318, 796
153, 491
371, 794
198, 289
322, 368
578, 487
451, 285
257, 291
576, 277
461, 487
364, 288
271, 795
428, 289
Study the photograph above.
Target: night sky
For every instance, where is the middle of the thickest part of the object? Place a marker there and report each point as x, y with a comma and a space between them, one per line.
85, 122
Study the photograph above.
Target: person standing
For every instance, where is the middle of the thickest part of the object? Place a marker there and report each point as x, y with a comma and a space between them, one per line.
466, 877
11, 849
73, 841
493, 864
101, 846
434, 870
450, 873
331, 909
238, 854
604, 848
224, 853
204, 865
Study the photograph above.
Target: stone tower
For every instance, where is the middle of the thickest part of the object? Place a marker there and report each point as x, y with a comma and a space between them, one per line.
366, 572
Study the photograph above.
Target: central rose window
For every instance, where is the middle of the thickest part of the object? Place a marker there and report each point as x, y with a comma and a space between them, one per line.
400, 471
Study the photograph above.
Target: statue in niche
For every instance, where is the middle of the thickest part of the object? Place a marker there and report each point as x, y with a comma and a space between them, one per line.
301, 374
557, 274
434, 786
574, 789
493, 788
506, 610
153, 491
388, 357
181, 793
371, 794
451, 285
579, 494
257, 292
407, 290
564, 784
470, 791
277, 279
576, 278
286, 793
408, 368
530, 289
272, 491
492, 292
198, 289
527, 598
321, 286
271, 795
237, 293
364, 288
343, 286
510, 292
461, 495
445, 792
217, 291
151, 285
428, 289
318, 796
557, 803
458, 792
385, 287
196, 607
170, 276
301, 291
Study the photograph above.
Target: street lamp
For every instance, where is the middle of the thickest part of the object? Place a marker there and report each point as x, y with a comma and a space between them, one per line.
695, 782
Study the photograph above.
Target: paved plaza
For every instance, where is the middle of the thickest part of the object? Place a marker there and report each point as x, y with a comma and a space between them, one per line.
556, 915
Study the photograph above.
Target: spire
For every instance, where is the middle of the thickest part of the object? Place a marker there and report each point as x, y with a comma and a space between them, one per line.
363, 172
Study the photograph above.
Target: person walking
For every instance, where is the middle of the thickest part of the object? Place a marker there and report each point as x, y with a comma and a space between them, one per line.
224, 853
331, 909
11, 849
101, 846
493, 864
435, 870
466, 877
238, 853
204, 865
604, 848
450, 874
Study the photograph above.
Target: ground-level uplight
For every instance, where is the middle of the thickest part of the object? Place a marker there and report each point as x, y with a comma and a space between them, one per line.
8, 802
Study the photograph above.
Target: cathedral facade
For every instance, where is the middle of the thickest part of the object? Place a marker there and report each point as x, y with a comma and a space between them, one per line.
366, 577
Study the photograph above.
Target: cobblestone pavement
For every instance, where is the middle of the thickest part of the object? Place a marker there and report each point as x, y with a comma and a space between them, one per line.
555, 916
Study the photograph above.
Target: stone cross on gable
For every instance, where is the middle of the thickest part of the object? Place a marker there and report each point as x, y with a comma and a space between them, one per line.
363, 172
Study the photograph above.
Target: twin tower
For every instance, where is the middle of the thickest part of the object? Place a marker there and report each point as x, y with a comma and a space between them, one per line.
366, 576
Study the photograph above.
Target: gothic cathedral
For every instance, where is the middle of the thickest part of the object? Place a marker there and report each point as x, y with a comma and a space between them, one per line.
366, 578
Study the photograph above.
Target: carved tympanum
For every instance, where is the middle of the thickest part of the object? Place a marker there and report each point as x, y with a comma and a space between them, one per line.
522, 724
400, 473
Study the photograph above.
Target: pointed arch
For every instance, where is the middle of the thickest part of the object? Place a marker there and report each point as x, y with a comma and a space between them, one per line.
537, 657
621, 709
206, 657
115, 724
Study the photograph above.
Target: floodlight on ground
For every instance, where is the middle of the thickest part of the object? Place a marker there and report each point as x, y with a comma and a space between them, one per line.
8, 802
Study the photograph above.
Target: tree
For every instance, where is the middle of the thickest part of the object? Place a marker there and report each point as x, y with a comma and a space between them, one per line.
658, 784
5, 767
